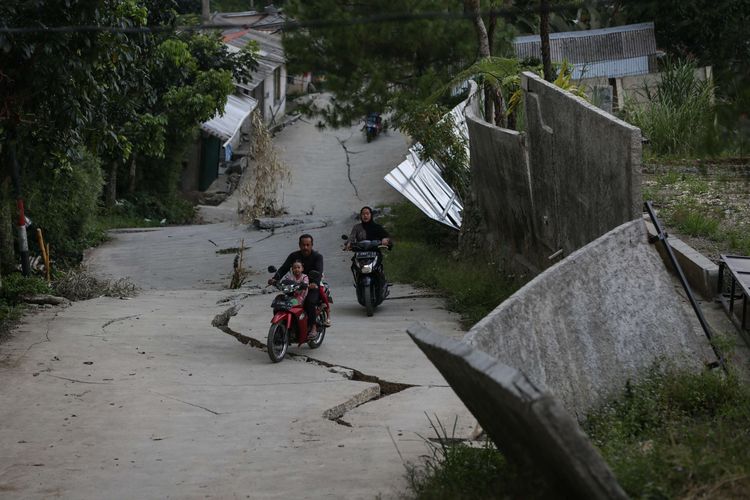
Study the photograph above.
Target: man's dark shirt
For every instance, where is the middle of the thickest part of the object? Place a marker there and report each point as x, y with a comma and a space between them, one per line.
314, 261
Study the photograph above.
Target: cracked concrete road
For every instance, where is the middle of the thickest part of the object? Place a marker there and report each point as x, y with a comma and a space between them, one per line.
143, 398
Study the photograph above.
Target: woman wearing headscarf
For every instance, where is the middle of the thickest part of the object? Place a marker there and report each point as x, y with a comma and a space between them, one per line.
368, 229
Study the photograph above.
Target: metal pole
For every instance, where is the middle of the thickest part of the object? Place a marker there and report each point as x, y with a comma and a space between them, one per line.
662, 236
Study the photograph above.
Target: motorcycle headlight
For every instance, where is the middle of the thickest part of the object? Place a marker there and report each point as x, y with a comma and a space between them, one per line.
367, 268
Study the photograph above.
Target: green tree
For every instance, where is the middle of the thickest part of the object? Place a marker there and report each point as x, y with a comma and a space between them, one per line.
378, 66
105, 95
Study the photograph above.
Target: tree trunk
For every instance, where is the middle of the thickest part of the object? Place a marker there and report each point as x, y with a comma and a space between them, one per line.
472, 8
110, 194
549, 74
205, 11
131, 176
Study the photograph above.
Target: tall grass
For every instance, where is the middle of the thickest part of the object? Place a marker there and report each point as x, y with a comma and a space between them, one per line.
679, 117
425, 255
678, 435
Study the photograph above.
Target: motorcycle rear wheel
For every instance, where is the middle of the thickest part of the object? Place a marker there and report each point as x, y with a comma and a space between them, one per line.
278, 342
367, 296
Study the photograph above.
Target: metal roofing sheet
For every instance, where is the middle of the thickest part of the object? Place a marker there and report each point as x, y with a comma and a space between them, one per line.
420, 180
227, 124
270, 54
622, 48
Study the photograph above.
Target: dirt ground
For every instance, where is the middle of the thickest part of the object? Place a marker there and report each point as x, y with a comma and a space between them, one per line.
719, 190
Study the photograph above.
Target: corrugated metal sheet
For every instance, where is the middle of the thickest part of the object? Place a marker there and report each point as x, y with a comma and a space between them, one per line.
227, 125
270, 54
421, 182
620, 51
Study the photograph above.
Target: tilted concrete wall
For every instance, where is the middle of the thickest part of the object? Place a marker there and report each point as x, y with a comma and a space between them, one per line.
585, 167
528, 424
502, 192
571, 177
603, 315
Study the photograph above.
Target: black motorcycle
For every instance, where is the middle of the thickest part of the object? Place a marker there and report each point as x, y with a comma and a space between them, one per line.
368, 273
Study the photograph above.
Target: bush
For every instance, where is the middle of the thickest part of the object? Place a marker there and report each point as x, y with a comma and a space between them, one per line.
678, 434
63, 202
15, 286
424, 255
679, 117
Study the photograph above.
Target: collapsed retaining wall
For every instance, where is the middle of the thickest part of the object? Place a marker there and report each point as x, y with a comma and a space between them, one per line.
571, 177
602, 316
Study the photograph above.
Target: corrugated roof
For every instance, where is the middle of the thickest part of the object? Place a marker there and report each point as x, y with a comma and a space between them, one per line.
421, 181
610, 52
226, 125
269, 21
270, 55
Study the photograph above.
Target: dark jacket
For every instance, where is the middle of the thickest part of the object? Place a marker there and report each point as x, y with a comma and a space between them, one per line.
312, 262
370, 231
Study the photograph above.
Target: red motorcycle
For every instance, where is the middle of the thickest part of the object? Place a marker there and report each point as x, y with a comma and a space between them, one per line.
290, 322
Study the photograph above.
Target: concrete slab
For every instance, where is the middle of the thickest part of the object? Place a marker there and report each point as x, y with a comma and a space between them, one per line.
525, 421
602, 316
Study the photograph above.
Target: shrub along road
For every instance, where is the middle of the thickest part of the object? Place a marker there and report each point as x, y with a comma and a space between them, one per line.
143, 398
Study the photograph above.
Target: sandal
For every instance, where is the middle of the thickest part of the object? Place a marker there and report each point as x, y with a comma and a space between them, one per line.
327, 322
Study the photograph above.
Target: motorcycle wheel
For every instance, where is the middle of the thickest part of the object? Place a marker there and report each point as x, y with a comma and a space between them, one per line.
314, 344
278, 342
367, 296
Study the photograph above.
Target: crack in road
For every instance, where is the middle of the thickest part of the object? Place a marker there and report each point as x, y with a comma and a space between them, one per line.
186, 402
349, 166
115, 320
385, 387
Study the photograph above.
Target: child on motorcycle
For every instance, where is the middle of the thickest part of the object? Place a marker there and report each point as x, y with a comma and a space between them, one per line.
295, 274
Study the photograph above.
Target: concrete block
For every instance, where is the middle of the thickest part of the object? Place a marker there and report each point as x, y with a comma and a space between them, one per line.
701, 273
526, 422
603, 315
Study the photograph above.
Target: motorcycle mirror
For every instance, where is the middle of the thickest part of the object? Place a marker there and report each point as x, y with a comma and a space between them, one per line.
344, 237
271, 269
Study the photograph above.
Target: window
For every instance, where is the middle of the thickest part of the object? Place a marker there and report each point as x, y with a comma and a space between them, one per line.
277, 84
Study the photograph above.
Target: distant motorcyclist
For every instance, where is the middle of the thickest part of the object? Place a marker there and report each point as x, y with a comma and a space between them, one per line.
311, 261
367, 229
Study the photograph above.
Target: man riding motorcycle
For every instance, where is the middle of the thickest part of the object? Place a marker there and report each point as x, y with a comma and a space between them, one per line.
311, 261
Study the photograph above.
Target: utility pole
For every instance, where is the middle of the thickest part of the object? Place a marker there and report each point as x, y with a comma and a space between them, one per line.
549, 74
205, 11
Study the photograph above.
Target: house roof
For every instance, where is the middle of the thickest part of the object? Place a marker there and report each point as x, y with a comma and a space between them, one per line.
270, 19
610, 52
227, 124
270, 55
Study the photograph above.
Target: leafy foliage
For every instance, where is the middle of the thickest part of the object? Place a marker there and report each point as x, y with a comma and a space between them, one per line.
63, 201
679, 115
377, 66
71, 99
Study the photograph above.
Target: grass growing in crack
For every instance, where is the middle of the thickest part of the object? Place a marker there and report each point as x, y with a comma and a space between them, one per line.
424, 256
675, 434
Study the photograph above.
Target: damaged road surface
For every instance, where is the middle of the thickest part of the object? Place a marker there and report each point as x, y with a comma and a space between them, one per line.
145, 398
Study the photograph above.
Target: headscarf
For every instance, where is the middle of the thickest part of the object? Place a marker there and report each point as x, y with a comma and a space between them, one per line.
373, 230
